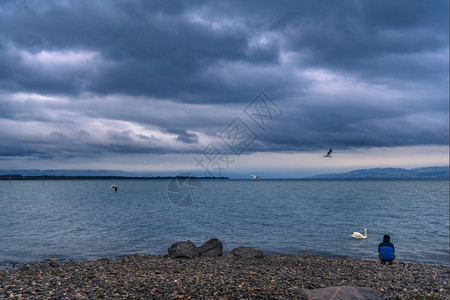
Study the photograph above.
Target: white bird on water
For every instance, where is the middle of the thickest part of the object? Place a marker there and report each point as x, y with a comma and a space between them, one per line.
358, 235
113, 187
329, 153
255, 177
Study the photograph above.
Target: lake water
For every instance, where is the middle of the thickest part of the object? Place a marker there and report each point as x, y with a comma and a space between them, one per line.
85, 219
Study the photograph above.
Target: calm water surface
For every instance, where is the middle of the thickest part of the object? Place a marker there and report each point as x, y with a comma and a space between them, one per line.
84, 219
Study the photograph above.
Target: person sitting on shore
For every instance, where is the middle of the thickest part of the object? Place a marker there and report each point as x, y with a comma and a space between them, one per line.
386, 251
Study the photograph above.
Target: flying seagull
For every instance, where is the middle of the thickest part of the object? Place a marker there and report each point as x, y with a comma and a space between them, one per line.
255, 177
113, 187
329, 153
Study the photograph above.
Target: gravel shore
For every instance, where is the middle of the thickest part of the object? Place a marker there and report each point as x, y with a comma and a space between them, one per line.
225, 277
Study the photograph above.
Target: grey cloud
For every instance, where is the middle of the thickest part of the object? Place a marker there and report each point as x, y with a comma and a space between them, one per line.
83, 135
183, 135
57, 136
60, 145
129, 136
370, 38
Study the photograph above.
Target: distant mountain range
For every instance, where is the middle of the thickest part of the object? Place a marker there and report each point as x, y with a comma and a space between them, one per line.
427, 172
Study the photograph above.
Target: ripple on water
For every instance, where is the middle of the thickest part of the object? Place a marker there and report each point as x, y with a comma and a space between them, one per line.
86, 219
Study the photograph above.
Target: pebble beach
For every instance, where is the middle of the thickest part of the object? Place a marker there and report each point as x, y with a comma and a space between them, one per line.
270, 277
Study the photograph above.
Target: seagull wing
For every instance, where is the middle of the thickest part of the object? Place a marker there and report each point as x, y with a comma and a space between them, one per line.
329, 152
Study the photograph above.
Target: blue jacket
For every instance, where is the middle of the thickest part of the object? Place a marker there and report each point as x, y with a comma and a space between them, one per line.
386, 249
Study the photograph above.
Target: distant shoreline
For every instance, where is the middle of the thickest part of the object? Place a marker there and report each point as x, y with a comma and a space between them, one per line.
432, 172
75, 177
66, 177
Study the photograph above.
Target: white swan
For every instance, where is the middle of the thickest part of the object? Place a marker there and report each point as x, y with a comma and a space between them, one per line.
358, 235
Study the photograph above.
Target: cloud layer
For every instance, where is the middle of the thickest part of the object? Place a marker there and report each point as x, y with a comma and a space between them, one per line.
88, 78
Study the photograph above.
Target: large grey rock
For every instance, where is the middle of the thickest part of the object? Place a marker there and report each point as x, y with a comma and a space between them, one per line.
212, 247
246, 252
183, 249
342, 293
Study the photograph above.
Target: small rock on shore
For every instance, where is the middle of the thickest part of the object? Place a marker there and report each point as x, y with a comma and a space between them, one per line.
186, 249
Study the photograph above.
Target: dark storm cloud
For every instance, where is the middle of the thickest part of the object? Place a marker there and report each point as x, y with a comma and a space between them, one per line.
355, 125
349, 74
142, 49
153, 50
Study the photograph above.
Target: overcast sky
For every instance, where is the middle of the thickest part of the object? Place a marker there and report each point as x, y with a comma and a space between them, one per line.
224, 86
